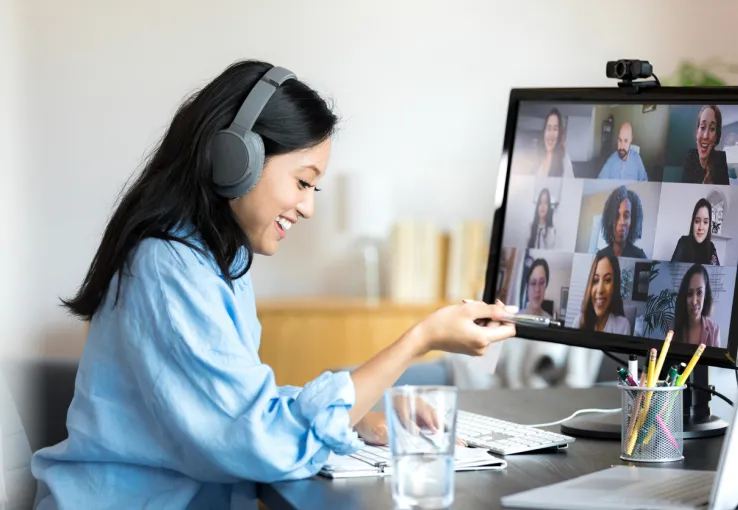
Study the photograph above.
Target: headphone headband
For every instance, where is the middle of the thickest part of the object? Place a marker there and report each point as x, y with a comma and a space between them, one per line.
257, 99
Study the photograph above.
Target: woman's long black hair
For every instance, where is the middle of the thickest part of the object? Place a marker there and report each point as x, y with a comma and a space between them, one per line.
549, 218
175, 186
701, 252
589, 318
681, 312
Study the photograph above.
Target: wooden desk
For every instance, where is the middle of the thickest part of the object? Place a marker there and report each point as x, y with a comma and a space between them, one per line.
483, 489
301, 338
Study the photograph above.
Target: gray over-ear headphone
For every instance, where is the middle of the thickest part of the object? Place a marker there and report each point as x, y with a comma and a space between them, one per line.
238, 152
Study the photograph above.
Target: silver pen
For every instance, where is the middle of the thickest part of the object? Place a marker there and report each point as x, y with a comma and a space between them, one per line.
522, 319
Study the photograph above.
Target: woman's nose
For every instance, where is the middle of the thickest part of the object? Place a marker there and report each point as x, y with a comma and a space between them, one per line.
306, 208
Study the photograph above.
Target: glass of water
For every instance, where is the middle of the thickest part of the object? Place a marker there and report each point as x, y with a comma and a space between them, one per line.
421, 423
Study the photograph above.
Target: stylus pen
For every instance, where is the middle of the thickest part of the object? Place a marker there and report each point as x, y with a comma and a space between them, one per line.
523, 320
532, 320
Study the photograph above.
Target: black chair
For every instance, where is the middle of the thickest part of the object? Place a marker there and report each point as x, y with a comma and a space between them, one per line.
42, 390
34, 398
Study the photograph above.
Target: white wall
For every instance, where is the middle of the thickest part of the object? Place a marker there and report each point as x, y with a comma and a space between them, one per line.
15, 207
422, 88
675, 214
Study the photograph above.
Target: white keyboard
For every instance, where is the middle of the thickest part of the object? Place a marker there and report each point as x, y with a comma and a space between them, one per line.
504, 437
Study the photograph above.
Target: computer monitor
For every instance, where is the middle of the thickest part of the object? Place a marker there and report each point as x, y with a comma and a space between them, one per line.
620, 206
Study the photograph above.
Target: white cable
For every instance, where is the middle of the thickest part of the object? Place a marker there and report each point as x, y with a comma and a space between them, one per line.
581, 411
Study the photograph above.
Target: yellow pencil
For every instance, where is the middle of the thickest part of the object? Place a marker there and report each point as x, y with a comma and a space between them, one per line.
632, 430
662, 354
690, 365
646, 401
651, 368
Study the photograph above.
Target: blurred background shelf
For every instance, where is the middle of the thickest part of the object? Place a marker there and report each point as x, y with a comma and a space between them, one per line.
301, 338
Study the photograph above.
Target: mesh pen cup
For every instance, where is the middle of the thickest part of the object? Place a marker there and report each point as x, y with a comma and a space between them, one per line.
652, 426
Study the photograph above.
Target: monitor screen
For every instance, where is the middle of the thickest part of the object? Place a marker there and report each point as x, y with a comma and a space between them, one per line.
620, 219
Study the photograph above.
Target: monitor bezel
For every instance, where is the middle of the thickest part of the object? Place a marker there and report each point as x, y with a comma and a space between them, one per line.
724, 358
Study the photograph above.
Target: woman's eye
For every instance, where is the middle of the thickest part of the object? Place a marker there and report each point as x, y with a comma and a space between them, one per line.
304, 184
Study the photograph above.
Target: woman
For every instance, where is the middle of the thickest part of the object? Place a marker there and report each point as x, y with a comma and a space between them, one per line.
172, 406
536, 284
622, 224
542, 231
693, 306
602, 307
602, 311
697, 246
705, 164
555, 162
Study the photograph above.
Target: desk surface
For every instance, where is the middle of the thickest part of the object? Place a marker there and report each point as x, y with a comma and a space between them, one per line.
480, 489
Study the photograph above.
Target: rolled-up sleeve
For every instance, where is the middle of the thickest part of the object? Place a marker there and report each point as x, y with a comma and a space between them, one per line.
217, 405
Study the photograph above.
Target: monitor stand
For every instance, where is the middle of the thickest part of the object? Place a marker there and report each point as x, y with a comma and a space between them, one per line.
698, 421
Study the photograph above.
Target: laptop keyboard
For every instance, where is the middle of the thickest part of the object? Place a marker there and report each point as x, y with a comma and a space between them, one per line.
693, 490
504, 437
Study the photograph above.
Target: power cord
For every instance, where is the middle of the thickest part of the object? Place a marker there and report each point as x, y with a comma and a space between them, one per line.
711, 391
576, 413
658, 82
617, 360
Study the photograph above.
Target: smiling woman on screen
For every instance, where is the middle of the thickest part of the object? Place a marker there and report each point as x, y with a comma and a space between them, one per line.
602, 307
705, 164
692, 324
698, 246
173, 407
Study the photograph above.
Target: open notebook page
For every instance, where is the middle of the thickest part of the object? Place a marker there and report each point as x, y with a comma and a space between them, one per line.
377, 461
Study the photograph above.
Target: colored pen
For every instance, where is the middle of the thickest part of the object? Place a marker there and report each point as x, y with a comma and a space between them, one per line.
662, 355
633, 365
671, 377
691, 365
626, 377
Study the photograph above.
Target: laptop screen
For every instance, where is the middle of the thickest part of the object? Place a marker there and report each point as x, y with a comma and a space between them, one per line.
621, 218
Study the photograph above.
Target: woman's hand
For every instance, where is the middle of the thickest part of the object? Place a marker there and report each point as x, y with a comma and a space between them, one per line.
466, 328
372, 428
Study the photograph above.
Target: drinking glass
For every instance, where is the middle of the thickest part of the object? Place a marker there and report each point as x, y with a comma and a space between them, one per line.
421, 422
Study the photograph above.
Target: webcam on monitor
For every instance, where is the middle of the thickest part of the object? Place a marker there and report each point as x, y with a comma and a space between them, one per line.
628, 71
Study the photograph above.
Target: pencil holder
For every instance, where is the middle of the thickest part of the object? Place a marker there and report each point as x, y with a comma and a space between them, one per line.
652, 426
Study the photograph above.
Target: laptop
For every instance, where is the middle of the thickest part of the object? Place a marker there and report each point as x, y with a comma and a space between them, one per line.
643, 488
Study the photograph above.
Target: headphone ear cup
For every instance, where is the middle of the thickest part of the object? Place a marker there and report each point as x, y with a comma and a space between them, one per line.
255, 149
237, 162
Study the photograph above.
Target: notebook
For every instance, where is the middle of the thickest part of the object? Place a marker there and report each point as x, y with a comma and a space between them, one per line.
376, 461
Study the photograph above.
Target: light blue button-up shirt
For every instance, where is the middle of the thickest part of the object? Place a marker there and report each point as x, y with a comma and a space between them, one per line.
173, 408
632, 169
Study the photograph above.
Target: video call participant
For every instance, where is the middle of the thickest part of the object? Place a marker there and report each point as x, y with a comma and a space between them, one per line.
554, 160
622, 224
705, 164
625, 163
693, 306
602, 307
536, 284
697, 246
542, 231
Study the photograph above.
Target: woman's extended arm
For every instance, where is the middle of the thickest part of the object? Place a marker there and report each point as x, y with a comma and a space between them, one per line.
450, 329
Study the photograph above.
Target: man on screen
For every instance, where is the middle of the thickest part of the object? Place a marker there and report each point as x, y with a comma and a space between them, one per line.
625, 163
